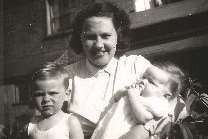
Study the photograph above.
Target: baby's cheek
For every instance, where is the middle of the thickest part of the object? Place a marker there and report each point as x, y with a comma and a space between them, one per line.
148, 91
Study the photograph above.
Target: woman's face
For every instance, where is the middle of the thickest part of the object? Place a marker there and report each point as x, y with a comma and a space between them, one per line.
99, 39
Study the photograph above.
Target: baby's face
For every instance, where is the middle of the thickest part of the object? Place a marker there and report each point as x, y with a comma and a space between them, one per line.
49, 95
157, 83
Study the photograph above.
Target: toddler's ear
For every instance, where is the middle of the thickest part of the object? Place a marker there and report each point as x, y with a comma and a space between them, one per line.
68, 95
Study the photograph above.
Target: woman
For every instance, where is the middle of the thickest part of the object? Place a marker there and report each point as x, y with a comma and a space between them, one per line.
98, 31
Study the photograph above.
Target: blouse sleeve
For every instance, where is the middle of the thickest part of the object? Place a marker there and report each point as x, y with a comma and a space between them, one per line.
129, 70
140, 65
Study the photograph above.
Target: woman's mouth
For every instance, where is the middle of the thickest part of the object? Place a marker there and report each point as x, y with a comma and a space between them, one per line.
47, 106
99, 54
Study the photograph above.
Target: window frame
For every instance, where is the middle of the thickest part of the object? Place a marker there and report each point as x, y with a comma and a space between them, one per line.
75, 6
148, 17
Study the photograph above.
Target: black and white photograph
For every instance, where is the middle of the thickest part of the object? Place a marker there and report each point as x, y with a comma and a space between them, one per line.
103, 69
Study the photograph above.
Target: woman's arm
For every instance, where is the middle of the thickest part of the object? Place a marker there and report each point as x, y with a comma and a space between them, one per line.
75, 128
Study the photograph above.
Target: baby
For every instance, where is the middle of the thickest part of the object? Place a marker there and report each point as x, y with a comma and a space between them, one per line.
49, 91
149, 99
144, 110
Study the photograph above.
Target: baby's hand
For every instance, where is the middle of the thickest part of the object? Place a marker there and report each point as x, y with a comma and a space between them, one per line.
119, 94
137, 87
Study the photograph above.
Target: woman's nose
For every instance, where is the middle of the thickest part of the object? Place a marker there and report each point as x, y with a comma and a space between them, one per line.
99, 43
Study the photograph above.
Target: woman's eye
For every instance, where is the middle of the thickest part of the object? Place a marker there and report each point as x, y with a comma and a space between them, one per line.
90, 36
106, 36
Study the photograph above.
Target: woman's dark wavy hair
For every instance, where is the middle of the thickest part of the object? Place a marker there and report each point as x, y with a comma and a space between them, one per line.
101, 9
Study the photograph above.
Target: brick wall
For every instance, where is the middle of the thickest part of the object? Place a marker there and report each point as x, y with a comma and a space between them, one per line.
25, 29
1, 60
1, 42
24, 46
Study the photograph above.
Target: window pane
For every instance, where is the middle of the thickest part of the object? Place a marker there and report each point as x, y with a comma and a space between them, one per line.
142, 5
60, 14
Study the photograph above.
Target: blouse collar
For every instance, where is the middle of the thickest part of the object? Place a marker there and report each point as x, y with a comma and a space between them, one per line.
110, 68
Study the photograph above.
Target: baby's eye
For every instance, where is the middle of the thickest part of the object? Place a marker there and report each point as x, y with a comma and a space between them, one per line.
152, 82
167, 96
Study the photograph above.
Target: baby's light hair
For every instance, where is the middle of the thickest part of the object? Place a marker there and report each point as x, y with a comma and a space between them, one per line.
177, 76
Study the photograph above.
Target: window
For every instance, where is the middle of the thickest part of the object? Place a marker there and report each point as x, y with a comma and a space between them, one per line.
143, 13
60, 14
16, 94
142, 5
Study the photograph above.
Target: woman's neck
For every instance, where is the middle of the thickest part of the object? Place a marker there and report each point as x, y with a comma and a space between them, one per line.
97, 66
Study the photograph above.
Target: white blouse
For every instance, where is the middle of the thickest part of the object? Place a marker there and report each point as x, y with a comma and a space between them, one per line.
92, 89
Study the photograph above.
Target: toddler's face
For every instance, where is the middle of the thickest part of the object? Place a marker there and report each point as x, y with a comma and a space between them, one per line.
49, 95
157, 83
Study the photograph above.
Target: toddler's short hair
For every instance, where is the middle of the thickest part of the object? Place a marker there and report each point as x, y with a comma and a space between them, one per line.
51, 70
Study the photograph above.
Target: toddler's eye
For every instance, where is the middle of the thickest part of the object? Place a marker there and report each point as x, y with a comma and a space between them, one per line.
38, 94
53, 93
90, 36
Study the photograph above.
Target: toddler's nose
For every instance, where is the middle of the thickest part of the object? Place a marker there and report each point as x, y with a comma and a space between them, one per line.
46, 98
